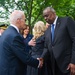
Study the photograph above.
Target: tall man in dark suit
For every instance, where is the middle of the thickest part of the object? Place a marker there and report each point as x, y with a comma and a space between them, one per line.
59, 43
13, 57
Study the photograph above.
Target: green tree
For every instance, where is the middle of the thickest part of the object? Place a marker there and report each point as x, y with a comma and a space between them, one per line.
33, 8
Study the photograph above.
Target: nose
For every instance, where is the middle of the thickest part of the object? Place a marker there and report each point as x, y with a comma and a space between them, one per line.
45, 18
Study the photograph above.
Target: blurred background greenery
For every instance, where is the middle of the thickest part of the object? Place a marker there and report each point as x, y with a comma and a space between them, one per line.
33, 9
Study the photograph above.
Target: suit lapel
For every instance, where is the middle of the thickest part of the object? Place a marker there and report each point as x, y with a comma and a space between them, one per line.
56, 28
49, 33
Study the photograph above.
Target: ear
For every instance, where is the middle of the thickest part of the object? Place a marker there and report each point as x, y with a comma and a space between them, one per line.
18, 20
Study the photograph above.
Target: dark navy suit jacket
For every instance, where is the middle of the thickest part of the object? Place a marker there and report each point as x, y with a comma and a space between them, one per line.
26, 40
63, 46
12, 53
27, 47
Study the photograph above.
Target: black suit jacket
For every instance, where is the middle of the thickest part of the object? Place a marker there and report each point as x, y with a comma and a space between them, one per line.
12, 53
64, 43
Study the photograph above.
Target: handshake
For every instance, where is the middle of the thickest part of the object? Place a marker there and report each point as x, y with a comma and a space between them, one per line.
32, 42
40, 62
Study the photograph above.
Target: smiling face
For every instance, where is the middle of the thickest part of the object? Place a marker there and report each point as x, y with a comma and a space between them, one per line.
49, 16
26, 30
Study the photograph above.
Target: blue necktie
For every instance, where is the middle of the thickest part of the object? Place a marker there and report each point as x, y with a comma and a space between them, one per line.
52, 32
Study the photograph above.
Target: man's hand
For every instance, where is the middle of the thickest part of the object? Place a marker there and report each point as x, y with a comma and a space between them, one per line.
32, 42
40, 62
71, 67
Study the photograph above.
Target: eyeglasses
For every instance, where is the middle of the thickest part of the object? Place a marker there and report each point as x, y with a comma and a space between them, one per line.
22, 19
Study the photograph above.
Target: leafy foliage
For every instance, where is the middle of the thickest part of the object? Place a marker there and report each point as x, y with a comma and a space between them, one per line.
33, 8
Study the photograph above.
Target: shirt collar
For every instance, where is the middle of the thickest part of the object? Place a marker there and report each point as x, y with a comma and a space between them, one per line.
15, 27
55, 20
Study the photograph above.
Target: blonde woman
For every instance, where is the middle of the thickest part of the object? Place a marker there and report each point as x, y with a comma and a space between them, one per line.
38, 32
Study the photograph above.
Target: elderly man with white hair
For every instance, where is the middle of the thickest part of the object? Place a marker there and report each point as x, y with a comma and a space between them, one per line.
13, 57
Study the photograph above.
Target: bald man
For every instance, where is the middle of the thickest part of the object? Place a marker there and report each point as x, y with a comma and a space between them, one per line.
59, 43
13, 57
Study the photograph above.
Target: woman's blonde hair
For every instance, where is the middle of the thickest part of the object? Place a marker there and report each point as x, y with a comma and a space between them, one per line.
39, 29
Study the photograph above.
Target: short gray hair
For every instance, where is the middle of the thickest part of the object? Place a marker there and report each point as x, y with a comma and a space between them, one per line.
15, 15
49, 8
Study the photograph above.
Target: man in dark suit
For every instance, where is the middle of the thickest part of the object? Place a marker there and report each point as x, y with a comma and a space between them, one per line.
59, 43
13, 57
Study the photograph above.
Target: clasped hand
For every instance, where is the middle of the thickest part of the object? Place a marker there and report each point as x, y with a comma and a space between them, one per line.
71, 67
40, 62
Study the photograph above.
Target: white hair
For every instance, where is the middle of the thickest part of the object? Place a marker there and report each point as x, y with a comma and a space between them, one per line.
15, 15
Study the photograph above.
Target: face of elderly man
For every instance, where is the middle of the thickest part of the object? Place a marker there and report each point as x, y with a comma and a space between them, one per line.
18, 19
22, 22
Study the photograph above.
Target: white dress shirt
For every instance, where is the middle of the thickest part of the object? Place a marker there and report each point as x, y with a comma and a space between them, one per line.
15, 27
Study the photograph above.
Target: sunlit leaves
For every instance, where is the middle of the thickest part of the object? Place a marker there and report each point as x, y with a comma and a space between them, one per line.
33, 8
